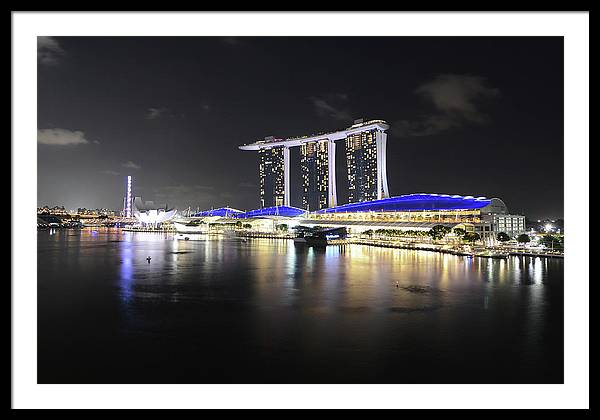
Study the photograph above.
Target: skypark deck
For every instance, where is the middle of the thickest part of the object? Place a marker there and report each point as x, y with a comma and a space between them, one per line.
332, 136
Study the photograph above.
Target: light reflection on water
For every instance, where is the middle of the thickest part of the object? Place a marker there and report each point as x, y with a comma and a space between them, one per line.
351, 274
342, 302
126, 271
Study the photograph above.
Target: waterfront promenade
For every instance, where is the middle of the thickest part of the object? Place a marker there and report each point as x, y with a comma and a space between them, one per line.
474, 250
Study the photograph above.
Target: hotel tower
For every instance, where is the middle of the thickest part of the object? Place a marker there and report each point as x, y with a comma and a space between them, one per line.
365, 144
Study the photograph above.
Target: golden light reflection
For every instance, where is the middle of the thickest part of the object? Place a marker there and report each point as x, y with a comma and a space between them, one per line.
536, 270
502, 269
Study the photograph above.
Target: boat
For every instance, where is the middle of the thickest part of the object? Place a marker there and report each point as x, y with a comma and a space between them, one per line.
327, 236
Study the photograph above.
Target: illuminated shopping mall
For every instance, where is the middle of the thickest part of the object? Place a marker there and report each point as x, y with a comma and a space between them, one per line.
412, 212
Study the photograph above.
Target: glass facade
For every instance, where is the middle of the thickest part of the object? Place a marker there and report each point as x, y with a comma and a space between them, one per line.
272, 176
418, 216
361, 159
314, 163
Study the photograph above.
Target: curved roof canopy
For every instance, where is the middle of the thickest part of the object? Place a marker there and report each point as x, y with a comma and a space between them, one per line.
221, 212
413, 202
496, 206
282, 211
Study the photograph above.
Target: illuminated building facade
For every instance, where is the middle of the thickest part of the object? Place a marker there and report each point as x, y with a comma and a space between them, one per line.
361, 160
273, 166
410, 212
149, 214
314, 163
496, 214
366, 161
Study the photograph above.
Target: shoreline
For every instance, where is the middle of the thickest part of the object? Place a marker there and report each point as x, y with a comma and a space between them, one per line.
483, 253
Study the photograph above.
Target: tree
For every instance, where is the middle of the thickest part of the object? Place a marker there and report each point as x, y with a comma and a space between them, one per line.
282, 227
552, 242
368, 232
523, 238
247, 226
471, 237
238, 224
460, 232
439, 232
503, 237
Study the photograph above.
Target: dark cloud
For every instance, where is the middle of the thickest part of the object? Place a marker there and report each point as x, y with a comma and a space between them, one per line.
166, 113
457, 99
131, 165
61, 137
49, 51
154, 113
332, 106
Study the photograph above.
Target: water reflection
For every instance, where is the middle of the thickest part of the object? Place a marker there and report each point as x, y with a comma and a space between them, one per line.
126, 279
536, 270
267, 307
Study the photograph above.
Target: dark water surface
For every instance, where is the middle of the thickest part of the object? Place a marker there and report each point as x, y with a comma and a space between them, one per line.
221, 310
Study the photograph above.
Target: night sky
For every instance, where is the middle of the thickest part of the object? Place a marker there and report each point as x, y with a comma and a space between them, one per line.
469, 115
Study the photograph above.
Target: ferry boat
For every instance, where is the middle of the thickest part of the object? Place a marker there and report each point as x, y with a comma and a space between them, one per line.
328, 236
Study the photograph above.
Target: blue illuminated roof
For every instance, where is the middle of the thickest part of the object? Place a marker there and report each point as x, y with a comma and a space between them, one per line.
284, 211
221, 212
413, 202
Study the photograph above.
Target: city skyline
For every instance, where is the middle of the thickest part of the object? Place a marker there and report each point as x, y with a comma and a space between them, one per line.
178, 134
